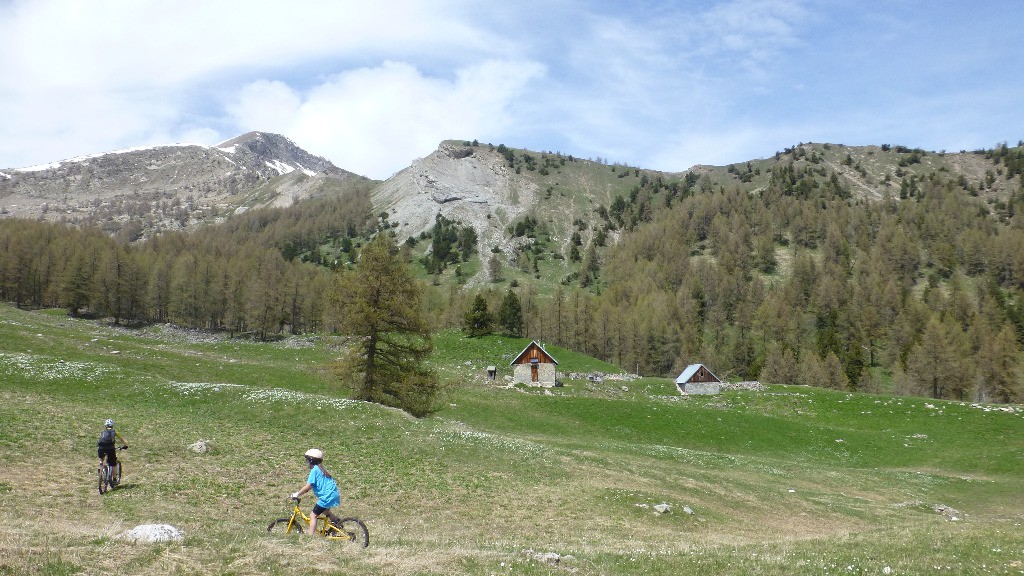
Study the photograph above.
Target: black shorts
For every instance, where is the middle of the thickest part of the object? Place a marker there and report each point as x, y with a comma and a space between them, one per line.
318, 509
111, 454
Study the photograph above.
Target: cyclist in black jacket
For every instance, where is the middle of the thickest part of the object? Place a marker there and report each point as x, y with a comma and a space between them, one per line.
105, 447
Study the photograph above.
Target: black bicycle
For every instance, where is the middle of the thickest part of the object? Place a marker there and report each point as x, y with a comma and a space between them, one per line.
109, 476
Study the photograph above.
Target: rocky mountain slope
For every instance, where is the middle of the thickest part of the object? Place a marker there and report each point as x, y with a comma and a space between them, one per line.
491, 188
143, 191
472, 185
140, 192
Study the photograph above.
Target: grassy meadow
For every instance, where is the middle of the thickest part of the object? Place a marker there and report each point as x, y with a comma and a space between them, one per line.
502, 480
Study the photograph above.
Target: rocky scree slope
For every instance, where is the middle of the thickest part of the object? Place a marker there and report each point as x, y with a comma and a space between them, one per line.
472, 185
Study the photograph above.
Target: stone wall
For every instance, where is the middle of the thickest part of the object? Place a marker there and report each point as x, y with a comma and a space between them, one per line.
753, 385
700, 387
718, 387
545, 374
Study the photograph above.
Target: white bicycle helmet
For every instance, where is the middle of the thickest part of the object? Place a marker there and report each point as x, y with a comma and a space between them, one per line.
315, 453
108, 423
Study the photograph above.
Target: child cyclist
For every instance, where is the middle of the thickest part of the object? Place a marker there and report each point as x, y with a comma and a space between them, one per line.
105, 447
323, 486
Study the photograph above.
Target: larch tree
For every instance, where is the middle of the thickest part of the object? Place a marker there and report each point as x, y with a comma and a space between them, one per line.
999, 367
779, 365
930, 369
380, 306
494, 268
77, 281
811, 369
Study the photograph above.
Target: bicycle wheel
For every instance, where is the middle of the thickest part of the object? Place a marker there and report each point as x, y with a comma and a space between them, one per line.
281, 525
101, 472
115, 475
354, 530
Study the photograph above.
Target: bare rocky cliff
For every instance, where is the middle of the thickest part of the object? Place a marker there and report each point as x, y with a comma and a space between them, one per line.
470, 184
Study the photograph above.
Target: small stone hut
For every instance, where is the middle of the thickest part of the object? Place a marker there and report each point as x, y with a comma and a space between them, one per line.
697, 379
534, 366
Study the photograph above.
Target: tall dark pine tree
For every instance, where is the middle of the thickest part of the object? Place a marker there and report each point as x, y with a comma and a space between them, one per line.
381, 306
478, 319
510, 316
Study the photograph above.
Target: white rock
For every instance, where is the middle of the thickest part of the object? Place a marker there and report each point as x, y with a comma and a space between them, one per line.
153, 533
200, 446
552, 558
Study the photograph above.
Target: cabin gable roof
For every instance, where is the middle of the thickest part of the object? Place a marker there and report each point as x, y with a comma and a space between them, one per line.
693, 370
533, 351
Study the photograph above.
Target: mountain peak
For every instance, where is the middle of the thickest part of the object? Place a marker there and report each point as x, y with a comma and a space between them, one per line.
255, 136
279, 152
171, 187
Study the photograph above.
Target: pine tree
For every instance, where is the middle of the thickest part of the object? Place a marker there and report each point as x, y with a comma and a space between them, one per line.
510, 316
590, 267
478, 319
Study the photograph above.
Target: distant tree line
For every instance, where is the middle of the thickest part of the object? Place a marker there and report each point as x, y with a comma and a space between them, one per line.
243, 275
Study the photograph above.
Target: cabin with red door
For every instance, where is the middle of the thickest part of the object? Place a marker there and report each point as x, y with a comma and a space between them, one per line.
534, 366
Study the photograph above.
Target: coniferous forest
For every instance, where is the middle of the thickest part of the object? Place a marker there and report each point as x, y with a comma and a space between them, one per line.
800, 281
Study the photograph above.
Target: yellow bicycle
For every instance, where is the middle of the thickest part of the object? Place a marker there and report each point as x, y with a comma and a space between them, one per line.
331, 527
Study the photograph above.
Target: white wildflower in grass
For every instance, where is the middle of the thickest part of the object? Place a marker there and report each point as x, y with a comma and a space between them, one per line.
195, 388
46, 368
463, 436
284, 395
261, 395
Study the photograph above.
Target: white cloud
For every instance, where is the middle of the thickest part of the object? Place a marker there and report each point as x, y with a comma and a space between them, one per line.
82, 77
371, 86
394, 108
683, 150
152, 42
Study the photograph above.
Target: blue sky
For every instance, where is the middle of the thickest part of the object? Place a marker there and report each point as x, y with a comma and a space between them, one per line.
661, 85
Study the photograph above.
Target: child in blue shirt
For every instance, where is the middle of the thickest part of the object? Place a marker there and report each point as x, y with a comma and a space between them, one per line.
323, 486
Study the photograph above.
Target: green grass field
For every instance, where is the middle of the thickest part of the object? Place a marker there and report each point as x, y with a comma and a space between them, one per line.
787, 481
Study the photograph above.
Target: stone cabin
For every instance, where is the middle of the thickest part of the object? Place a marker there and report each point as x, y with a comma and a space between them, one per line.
697, 379
534, 366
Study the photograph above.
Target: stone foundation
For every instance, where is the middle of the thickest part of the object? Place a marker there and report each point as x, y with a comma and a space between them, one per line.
521, 373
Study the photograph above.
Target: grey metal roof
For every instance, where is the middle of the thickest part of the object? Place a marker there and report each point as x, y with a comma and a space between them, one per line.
690, 371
